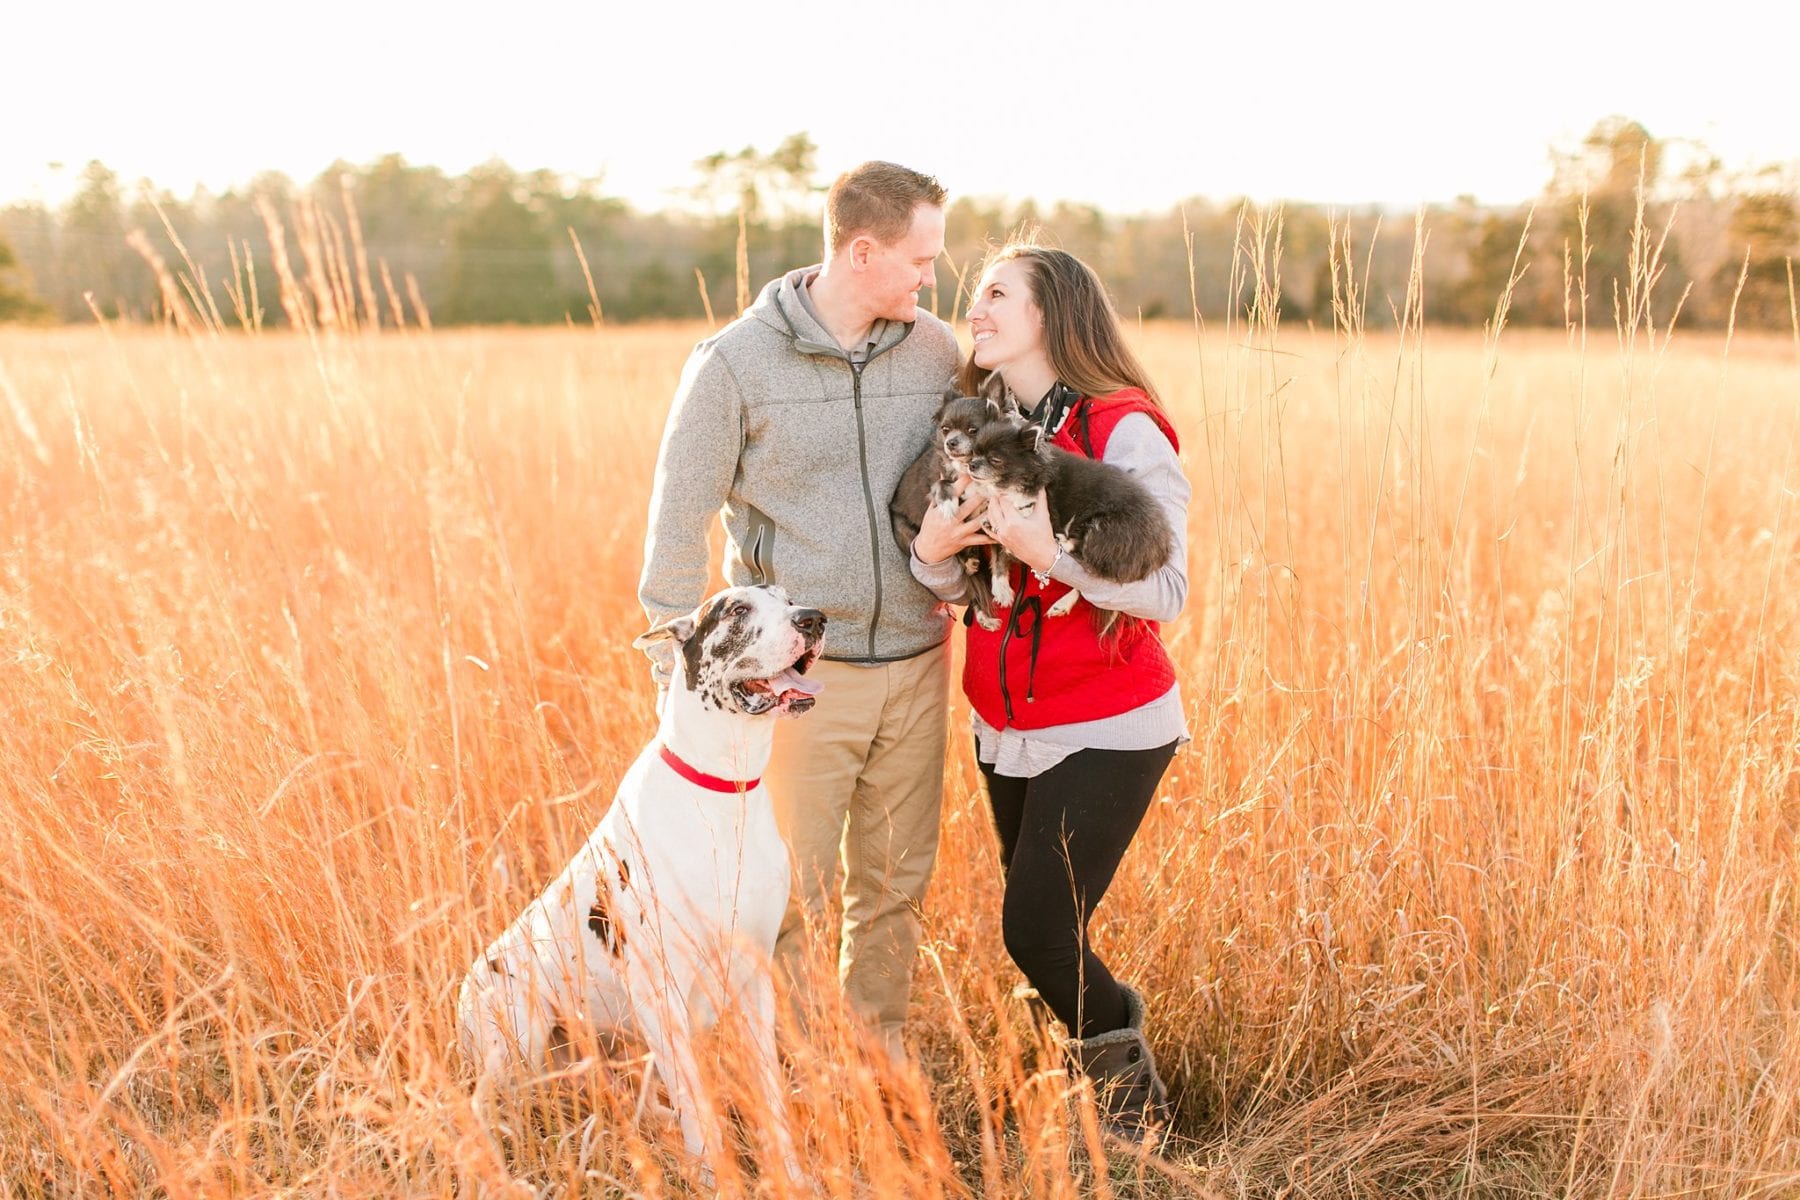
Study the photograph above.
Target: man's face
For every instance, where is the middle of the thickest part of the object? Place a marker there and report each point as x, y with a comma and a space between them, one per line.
895, 272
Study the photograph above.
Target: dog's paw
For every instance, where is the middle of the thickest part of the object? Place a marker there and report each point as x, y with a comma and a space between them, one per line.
988, 622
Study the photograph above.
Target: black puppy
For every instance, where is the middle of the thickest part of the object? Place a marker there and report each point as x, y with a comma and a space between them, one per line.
933, 478
1101, 516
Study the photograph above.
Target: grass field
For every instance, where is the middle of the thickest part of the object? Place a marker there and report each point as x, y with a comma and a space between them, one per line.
1477, 879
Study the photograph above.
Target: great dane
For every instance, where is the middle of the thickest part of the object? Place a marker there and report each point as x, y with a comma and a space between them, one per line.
669, 911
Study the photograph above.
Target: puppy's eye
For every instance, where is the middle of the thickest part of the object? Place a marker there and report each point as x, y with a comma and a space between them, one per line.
740, 609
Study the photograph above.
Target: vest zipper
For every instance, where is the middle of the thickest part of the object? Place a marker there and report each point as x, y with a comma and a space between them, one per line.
1012, 621
1080, 408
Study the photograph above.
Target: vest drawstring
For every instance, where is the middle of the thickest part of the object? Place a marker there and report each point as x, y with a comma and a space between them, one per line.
1035, 604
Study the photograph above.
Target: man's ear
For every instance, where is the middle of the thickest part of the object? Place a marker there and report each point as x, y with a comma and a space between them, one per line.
680, 628
859, 249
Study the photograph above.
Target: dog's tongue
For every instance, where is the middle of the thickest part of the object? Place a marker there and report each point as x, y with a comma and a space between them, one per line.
792, 681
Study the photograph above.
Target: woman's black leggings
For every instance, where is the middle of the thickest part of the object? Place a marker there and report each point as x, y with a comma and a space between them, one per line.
1062, 835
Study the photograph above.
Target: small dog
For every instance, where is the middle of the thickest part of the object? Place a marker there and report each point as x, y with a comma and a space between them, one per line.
933, 478
668, 913
1102, 517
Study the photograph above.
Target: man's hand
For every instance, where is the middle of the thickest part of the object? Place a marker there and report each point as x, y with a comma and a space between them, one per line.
1026, 536
940, 536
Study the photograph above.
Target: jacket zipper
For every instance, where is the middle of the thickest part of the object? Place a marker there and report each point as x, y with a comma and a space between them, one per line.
862, 450
862, 446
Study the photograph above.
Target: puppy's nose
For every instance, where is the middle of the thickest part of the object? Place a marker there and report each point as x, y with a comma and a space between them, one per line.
809, 621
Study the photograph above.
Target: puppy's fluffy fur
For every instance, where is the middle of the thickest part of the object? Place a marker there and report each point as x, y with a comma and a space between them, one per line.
1101, 516
933, 477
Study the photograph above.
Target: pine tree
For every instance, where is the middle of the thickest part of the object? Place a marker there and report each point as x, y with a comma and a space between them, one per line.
16, 300
500, 268
1765, 226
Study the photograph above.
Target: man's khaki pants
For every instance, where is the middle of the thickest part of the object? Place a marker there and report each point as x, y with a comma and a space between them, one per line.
861, 777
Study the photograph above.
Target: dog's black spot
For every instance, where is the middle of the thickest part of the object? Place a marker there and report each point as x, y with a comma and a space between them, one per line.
732, 641
692, 650
719, 639
496, 967
604, 927
624, 874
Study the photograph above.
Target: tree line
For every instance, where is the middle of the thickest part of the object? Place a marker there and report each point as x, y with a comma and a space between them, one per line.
1626, 224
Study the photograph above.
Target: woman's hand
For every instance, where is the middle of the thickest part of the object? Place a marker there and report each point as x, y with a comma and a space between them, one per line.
1026, 536
939, 536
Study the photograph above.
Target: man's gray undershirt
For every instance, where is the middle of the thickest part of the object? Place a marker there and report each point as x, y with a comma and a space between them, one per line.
859, 354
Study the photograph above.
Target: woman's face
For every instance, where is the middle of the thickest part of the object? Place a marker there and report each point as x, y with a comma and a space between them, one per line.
1005, 320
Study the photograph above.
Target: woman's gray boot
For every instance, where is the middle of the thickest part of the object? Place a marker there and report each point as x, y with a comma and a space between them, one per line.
1134, 1104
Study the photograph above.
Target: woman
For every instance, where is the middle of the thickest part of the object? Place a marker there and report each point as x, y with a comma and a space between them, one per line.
1076, 717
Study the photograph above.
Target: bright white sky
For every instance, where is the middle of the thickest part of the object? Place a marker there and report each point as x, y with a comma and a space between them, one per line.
1128, 104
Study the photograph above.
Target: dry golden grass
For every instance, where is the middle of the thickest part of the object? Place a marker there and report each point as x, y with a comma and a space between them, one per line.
1477, 879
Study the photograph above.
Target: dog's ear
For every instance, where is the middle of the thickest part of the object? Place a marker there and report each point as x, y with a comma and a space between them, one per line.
1034, 438
680, 628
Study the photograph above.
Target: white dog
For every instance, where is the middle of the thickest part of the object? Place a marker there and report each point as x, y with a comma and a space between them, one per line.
669, 912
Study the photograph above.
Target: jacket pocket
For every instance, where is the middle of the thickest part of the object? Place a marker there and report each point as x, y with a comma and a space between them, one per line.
760, 556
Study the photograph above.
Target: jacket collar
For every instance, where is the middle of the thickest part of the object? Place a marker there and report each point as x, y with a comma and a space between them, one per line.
780, 306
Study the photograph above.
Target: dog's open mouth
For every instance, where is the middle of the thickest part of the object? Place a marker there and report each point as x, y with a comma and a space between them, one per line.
789, 691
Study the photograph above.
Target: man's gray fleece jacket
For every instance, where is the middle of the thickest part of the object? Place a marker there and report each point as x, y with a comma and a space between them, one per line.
802, 450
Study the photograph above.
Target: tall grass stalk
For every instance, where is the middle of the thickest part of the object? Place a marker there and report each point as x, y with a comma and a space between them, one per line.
1477, 879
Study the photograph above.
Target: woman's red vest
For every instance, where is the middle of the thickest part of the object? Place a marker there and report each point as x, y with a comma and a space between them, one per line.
1033, 673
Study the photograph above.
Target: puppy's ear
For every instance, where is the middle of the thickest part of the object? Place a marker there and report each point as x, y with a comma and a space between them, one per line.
1001, 403
1034, 438
680, 628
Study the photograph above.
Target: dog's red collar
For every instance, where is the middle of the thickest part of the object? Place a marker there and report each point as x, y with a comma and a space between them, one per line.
711, 783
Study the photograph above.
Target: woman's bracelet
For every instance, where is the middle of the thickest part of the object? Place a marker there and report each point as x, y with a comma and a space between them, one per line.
1043, 576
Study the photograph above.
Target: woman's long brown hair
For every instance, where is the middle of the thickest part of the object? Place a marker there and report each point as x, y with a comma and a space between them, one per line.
1082, 337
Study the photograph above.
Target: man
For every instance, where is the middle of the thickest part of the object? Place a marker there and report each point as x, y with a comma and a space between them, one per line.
797, 421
